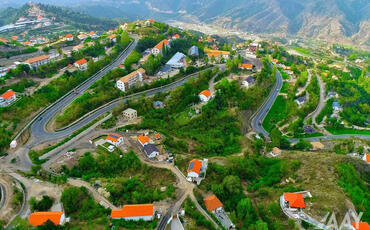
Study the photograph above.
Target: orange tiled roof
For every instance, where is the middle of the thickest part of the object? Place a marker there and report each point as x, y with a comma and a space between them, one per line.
206, 93
112, 36
81, 61
134, 210
38, 218
295, 200
3, 40
69, 36
212, 203
130, 75
361, 225
218, 52
113, 137
159, 46
276, 150
195, 166
246, 66
92, 33
36, 59
176, 36
8, 94
367, 157
15, 38
151, 20
143, 139
157, 135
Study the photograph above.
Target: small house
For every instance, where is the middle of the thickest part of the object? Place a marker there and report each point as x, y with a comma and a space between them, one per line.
158, 49
7, 98
197, 170
112, 38
245, 66
294, 201
275, 152
193, 51
157, 136
213, 204
130, 114
301, 100
68, 37
336, 106
151, 150
39, 218
134, 212
205, 95
81, 64
366, 158
308, 129
143, 140
176, 36
114, 139
249, 81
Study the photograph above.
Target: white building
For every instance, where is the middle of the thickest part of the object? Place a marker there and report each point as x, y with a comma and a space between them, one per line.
177, 61
158, 49
68, 37
366, 158
205, 95
35, 62
151, 150
126, 82
134, 212
114, 139
130, 114
7, 98
81, 64
197, 170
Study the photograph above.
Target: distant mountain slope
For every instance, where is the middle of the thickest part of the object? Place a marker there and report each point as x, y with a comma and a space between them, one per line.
61, 14
333, 20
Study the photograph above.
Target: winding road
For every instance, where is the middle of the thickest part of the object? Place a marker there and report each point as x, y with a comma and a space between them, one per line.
266, 106
261, 113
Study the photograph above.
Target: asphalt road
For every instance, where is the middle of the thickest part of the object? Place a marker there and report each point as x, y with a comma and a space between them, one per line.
263, 110
39, 133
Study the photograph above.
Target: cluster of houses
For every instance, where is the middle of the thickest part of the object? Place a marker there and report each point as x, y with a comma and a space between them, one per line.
134, 212
84, 35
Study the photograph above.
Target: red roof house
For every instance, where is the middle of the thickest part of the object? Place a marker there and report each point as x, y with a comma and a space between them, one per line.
205, 95
212, 203
39, 218
194, 168
295, 200
143, 140
134, 212
361, 226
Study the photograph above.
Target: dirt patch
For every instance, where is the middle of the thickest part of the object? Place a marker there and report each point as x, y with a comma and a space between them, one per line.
317, 175
7, 210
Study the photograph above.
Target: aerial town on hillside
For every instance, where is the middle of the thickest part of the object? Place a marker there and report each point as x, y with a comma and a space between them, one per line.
149, 126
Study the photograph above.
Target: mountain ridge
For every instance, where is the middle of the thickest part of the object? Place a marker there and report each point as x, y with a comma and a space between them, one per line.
343, 21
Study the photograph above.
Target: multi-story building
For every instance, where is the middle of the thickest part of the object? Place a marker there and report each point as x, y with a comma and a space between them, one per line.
35, 62
130, 80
